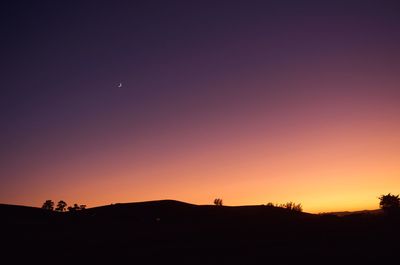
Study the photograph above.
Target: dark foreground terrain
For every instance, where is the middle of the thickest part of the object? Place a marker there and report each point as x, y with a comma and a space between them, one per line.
172, 232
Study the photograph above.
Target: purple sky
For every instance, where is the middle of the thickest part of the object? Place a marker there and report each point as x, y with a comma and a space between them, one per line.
199, 77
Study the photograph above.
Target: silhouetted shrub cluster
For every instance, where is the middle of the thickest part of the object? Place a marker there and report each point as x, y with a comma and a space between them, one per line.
289, 205
218, 202
292, 206
76, 207
62, 206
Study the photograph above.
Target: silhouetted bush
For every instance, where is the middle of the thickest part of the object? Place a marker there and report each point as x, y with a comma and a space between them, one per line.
218, 202
292, 206
77, 207
270, 204
390, 204
297, 207
61, 206
74, 208
48, 205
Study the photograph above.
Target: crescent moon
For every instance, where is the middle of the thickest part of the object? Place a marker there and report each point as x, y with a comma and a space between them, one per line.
120, 85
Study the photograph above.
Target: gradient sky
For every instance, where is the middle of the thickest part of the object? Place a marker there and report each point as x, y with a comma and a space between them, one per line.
250, 101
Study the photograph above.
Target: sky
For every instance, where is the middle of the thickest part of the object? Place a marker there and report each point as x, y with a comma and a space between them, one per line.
248, 101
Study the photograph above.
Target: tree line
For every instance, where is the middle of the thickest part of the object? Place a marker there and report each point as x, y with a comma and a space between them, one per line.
296, 207
62, 206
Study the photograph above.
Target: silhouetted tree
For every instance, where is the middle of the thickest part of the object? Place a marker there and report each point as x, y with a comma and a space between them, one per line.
270, 204
218, 202
48, 205
389, 203
61, 205
82, 206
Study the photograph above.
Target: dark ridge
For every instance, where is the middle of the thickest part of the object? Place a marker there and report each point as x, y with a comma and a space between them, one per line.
346, 213
25, 214
174, 232
171, 211
156, 203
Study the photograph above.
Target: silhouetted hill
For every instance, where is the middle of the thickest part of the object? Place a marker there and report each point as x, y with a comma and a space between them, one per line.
345, 213
173, 232
24, 214
179, 212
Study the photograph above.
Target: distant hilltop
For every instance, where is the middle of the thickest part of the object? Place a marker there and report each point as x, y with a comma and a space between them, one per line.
345, 213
